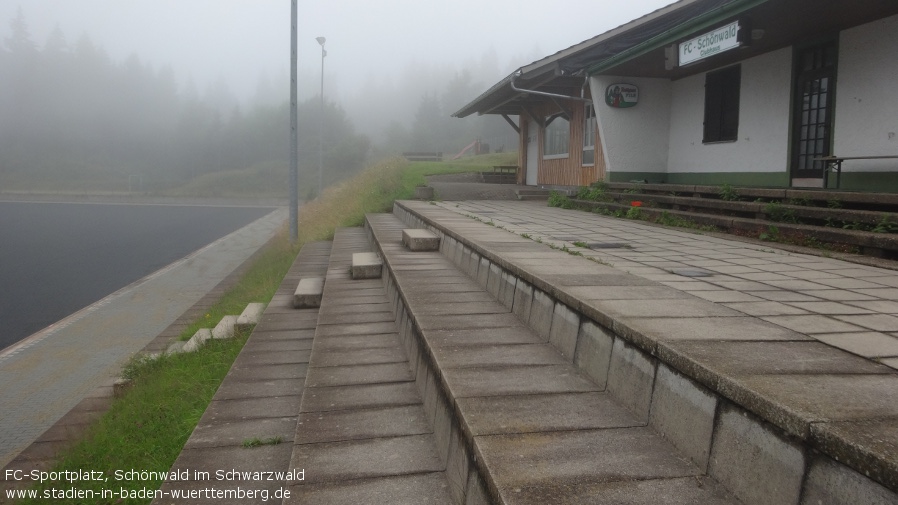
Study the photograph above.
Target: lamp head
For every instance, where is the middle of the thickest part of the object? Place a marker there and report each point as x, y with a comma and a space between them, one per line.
321, 40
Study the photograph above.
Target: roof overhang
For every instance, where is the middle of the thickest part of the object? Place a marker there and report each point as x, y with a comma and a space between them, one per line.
637, 49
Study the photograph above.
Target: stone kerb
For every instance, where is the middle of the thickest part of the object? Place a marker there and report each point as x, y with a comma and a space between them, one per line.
685, 381
250, 316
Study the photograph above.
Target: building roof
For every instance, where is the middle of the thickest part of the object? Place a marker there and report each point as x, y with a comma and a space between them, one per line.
638, 47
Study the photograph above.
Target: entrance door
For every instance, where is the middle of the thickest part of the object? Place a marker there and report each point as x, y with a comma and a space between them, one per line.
532, 152
812, 119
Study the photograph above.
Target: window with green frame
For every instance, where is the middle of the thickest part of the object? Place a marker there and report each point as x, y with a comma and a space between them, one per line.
557, 137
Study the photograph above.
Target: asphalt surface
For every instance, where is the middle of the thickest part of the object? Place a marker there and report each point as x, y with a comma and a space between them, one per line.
48, 373
56, 258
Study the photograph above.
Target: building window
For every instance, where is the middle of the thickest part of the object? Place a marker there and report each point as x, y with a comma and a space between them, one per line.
557, 137
589, 136
722, 105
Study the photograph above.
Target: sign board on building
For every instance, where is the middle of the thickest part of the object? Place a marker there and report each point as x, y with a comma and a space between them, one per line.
621, 95
709, 44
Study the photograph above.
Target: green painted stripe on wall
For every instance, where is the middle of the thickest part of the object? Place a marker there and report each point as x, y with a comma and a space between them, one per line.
851, 181
762, 179
883, 182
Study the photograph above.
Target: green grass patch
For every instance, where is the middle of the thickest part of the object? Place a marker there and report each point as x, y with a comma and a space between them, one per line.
416, 172
146, 428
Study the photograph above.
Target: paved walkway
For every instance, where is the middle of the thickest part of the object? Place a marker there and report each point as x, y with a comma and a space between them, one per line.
846, 305
47, 374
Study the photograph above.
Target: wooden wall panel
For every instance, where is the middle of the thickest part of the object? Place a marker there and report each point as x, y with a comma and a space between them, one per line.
568, 171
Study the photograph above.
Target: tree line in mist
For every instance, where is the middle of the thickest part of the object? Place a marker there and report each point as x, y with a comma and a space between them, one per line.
73, 117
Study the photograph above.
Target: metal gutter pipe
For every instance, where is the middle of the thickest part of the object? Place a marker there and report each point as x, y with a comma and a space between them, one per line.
543, 93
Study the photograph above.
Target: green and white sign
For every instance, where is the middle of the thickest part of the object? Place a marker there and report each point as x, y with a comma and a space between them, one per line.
621, 95
709, 44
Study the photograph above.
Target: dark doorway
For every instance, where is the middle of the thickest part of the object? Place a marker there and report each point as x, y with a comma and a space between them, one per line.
815, 83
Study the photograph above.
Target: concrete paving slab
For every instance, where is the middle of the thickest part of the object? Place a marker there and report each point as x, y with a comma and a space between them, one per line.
255, 373
653, 291
466, 307
712, 328
682, 307
337, 343
265, 335
876, 322
424, 489
278, 345
767, 308
579, 457
490, 415
356, 329
513, 380
298, 322
794, 402
265, 358
676, 491
480, 321
358, 318
252, 388
497, 355
357, 308
361, 459
869, 344
234, 433
813, 323
708, 360
360, 374
235, 457
239, 409
356, 424
518, 334
358, 356
360, 396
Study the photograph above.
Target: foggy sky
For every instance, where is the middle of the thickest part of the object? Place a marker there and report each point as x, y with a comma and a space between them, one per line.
239, 40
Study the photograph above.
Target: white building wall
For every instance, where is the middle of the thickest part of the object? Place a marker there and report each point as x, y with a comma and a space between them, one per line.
866, 120
634, 139
763, 143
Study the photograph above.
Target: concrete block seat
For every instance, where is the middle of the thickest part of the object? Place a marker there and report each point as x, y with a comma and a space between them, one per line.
366, 265
544, 367
519, 421
417, 239
308, 293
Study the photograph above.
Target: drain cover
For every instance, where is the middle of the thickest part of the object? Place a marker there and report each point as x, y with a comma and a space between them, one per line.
691, 272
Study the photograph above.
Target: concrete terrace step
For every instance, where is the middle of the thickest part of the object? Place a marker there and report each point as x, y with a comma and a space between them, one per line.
773, 415
258, 399
362, 435
532, 194
526, 426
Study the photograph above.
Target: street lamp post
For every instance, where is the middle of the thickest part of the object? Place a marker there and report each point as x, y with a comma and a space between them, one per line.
294, 134
321, 41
